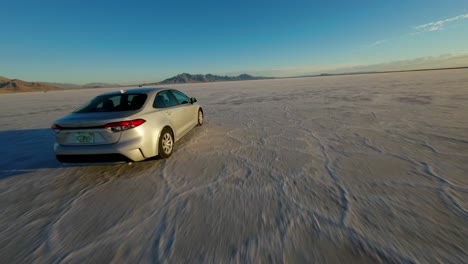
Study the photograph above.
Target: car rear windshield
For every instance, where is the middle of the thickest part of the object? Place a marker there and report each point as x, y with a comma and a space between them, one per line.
113, 103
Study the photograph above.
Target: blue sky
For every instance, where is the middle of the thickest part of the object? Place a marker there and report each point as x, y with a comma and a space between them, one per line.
136, 41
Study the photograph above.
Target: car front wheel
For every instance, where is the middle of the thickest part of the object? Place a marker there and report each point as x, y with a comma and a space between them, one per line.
166, 144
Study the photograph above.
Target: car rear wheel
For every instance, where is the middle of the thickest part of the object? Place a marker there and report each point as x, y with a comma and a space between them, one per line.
166, 144
200, 117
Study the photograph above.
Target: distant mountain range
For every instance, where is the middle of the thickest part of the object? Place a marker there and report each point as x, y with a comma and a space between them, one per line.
18, 86
200, 78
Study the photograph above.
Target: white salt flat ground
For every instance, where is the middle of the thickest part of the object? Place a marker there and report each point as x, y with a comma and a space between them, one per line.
345, 169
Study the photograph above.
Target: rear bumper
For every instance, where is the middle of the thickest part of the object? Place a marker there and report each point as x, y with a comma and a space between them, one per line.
97, 158
130, 149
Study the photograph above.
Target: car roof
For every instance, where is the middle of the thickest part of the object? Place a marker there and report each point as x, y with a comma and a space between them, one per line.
145, 90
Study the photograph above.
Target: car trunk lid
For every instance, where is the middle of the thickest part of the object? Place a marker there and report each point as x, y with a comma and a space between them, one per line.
88, 128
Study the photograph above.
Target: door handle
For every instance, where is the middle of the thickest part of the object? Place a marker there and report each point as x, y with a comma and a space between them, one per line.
168, 112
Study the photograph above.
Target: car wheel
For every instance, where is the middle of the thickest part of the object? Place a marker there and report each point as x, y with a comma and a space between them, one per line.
166, 144
200, 117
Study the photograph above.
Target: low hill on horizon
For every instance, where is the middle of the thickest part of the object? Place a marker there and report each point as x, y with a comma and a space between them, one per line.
200, 78
20, 86
100, 85
88, 85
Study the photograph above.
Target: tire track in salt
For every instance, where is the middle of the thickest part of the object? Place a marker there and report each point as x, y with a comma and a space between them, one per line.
327, 162
122, 227
345, 206
426, 170
368, 246
442, 188
49, 233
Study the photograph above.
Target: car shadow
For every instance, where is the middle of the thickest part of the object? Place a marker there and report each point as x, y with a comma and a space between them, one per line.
26, 150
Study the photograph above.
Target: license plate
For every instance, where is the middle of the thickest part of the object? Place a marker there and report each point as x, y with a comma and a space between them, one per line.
84, 137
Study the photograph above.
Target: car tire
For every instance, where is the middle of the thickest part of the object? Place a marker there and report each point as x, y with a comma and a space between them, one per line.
200, 117
166, 143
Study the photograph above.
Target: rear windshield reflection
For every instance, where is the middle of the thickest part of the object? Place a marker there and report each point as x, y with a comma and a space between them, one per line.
114, 103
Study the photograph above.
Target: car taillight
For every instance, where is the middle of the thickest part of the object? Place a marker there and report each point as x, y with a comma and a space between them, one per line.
124, 125
56, 128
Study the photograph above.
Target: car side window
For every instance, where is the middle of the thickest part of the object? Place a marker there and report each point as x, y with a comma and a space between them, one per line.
182, 98
164, 99
159, 102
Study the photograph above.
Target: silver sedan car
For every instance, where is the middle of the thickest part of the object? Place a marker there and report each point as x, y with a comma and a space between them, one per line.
126, 125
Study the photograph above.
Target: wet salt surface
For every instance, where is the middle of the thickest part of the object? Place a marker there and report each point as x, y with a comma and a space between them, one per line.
355, 169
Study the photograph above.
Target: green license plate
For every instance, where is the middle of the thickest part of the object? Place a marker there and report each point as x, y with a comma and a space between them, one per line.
84, 137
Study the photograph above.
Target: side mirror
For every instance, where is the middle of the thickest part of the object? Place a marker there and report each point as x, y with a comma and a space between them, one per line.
193, 100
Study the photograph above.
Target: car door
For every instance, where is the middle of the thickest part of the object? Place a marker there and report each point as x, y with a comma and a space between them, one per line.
173, 111
190, 110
